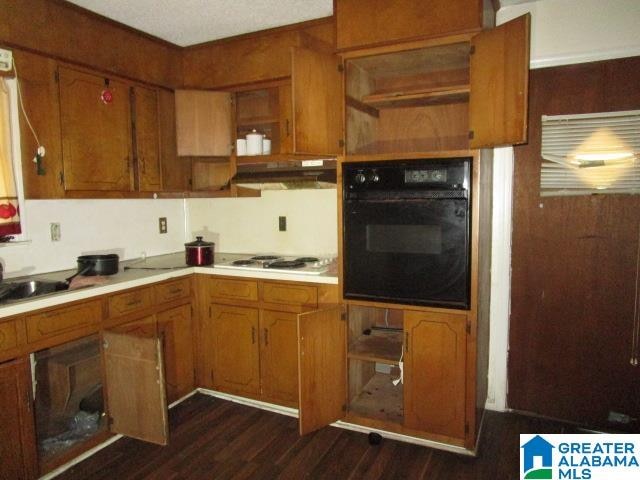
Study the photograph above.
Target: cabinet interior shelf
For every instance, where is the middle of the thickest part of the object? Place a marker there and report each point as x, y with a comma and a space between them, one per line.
418, 97
257, 121
379, 399
380, 346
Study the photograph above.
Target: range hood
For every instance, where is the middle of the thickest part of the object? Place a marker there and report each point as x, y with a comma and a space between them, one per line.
288, 174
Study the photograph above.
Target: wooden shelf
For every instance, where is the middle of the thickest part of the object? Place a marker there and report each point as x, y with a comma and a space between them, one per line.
419, 97
381, 346
379, 399
255, 121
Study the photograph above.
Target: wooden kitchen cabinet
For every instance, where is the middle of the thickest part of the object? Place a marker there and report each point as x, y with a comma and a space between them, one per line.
452, 93
176, 331
96, 132
146, 139
18, 441
135, 390
233, 335
362, 24
203, 123
435, 353
301, 115
279, 357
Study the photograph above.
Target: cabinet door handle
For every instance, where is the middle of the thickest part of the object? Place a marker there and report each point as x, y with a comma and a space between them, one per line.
406, 342
287, 127
134, 302
266, 336
253, 335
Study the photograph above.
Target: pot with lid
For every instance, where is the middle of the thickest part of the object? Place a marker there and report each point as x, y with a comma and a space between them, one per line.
199, 252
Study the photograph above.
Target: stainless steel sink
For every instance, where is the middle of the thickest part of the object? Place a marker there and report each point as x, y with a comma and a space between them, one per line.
16, 291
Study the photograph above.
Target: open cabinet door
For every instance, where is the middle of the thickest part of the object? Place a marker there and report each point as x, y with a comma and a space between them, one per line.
322, 377
317, 107
136, 396
500, 85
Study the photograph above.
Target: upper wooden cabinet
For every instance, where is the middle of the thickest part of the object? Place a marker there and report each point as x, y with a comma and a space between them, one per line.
452, 93
96, 132
300, 114
360, 24
146, 138
203, 123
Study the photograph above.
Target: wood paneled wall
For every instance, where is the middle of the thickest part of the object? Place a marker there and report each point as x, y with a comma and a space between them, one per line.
59, 29
573, 266
253, 57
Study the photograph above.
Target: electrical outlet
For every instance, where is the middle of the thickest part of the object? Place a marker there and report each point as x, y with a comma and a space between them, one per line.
55, 232
282, 224
6, 60
162, 224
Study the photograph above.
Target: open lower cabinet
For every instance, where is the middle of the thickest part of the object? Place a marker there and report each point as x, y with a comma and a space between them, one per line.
86, 389
405, 371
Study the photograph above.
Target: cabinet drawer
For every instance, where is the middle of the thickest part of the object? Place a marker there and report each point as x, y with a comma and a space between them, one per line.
234, 289
173, 290
289, 294
63, 320
129, 302
8, 336
145, 327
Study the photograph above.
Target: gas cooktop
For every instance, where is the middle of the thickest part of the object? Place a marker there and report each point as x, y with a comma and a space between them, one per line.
282, 264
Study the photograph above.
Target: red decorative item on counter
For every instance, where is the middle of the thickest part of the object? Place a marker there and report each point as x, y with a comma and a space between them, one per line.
106, 96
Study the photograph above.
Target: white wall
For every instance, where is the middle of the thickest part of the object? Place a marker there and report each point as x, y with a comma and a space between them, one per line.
577, 31
563, 32
250, 225
125, 227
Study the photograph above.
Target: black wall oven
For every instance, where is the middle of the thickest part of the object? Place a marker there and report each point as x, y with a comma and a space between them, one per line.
406, 227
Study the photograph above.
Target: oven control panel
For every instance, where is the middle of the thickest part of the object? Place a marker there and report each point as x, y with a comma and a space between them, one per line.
449, 174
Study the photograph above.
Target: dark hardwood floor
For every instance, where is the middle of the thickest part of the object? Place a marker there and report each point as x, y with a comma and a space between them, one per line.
217, 439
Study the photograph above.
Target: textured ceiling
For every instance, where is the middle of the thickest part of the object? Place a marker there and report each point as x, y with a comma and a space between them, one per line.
187, 22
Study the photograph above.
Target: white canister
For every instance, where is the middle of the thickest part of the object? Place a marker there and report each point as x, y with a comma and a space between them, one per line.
241, 147
254, 143
266, 145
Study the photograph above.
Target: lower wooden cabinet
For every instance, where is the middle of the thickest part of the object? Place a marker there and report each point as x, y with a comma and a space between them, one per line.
233, 334
176, 331
17, 441
435, 353
279, 357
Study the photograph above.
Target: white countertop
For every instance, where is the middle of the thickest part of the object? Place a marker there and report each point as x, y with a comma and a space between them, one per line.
135, 273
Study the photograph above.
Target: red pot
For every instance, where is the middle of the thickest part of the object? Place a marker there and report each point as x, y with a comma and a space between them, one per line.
199, 253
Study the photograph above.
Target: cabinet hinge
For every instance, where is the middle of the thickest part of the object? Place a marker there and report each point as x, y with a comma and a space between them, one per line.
471, 134
472, 49
340, 68
341, 143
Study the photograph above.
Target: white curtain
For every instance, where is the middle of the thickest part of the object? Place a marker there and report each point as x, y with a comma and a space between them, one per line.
9, 208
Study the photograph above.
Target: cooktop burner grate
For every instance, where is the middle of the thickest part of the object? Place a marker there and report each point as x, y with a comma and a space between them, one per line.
265, 257
243, 262
285, 264
306, 259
